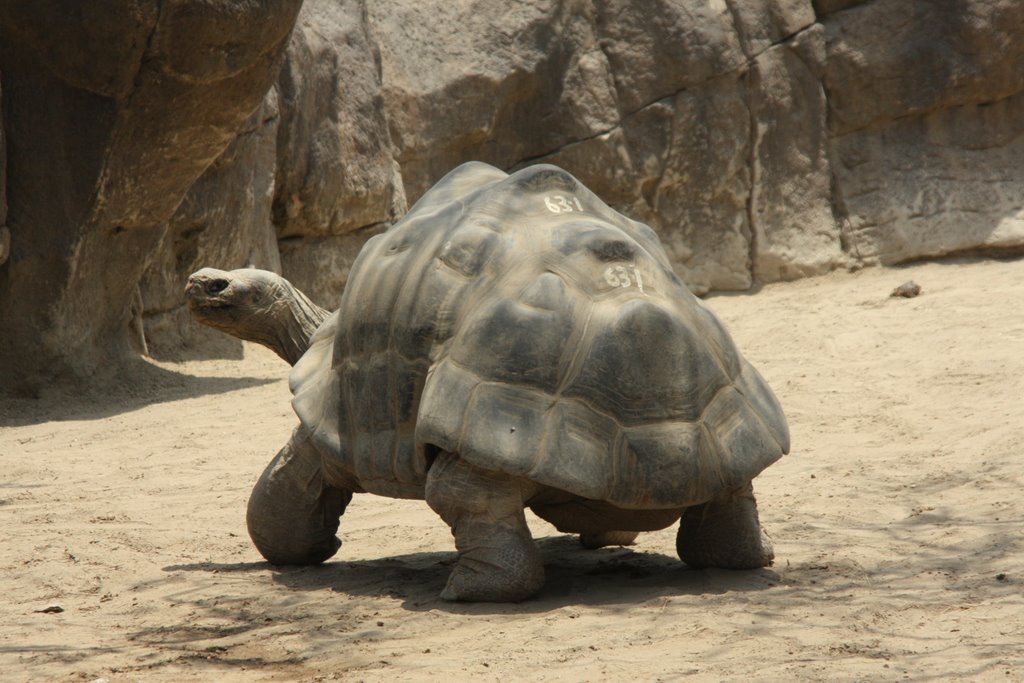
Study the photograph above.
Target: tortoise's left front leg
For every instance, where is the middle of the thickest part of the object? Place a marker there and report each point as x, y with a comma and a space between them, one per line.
293, 513
498, 560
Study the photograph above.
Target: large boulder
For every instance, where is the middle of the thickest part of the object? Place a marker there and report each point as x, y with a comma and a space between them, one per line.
707, 121
338, 181
309, 178
795, 233
112, 111
224, 218
494, 81
926, 119
5, 232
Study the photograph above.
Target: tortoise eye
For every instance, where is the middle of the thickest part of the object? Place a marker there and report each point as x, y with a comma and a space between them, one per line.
217, 286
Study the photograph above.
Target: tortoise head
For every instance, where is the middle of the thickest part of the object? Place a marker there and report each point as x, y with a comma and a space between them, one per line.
255, 305
239, 302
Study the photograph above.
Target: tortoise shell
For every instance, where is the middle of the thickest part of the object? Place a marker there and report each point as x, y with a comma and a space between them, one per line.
519, 321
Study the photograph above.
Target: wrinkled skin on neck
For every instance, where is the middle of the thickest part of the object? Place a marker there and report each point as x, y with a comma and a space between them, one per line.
257, 306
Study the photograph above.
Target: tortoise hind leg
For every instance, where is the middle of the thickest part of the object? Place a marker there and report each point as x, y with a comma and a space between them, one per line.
497, 558
603, 539
724, 532
293, 514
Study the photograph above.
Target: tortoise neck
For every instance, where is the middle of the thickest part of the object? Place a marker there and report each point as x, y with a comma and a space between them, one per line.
298, 318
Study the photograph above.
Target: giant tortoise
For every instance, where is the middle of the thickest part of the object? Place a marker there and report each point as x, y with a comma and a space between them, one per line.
512, 342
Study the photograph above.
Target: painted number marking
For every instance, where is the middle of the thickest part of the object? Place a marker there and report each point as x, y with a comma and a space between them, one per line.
624, 276
559, 204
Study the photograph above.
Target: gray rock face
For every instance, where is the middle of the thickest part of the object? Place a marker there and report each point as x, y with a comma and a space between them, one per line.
793, 225
309, 178
762, 139
925, 121
335, 169
942, 183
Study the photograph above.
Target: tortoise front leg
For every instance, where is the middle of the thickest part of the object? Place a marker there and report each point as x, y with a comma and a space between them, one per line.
293, 513
724, 533
497, 558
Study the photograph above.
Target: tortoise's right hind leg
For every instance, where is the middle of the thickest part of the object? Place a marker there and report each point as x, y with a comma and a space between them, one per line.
293, 513
724, 533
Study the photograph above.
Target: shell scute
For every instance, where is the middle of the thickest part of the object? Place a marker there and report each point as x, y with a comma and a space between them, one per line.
574, 455
511, 342
604, 242
544, 178
468, 250
647, 364
547, 292
424, 312
755, 390
503, 427
366, 387
664, 465
739, 435
443, 405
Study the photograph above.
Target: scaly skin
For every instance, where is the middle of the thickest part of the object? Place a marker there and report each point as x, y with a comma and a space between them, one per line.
257, 306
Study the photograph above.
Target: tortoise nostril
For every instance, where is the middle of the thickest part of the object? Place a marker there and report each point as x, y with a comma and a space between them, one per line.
217, 286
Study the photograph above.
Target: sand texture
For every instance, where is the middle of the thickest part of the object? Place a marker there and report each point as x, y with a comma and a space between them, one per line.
898, 522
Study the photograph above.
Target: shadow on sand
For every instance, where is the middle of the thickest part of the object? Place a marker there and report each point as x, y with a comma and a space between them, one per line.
138, 384
610, 577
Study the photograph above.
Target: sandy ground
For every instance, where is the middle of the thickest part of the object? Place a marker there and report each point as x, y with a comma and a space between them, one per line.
898, 521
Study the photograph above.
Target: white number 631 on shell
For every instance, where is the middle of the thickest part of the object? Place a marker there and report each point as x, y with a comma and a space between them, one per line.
559, 204
624, 276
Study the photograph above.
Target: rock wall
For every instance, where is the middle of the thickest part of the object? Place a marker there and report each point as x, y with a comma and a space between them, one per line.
926, 126
763, 139
111, 111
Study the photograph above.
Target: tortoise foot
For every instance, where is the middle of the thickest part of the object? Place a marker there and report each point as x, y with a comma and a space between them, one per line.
725, 533
494, 565
498, 560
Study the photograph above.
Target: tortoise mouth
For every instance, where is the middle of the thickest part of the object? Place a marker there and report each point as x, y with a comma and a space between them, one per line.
199, 305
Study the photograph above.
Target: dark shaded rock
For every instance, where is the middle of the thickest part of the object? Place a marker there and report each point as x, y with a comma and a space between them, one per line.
825, 7
319, 265
890, 59
5, 232
111, 114
5, 244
